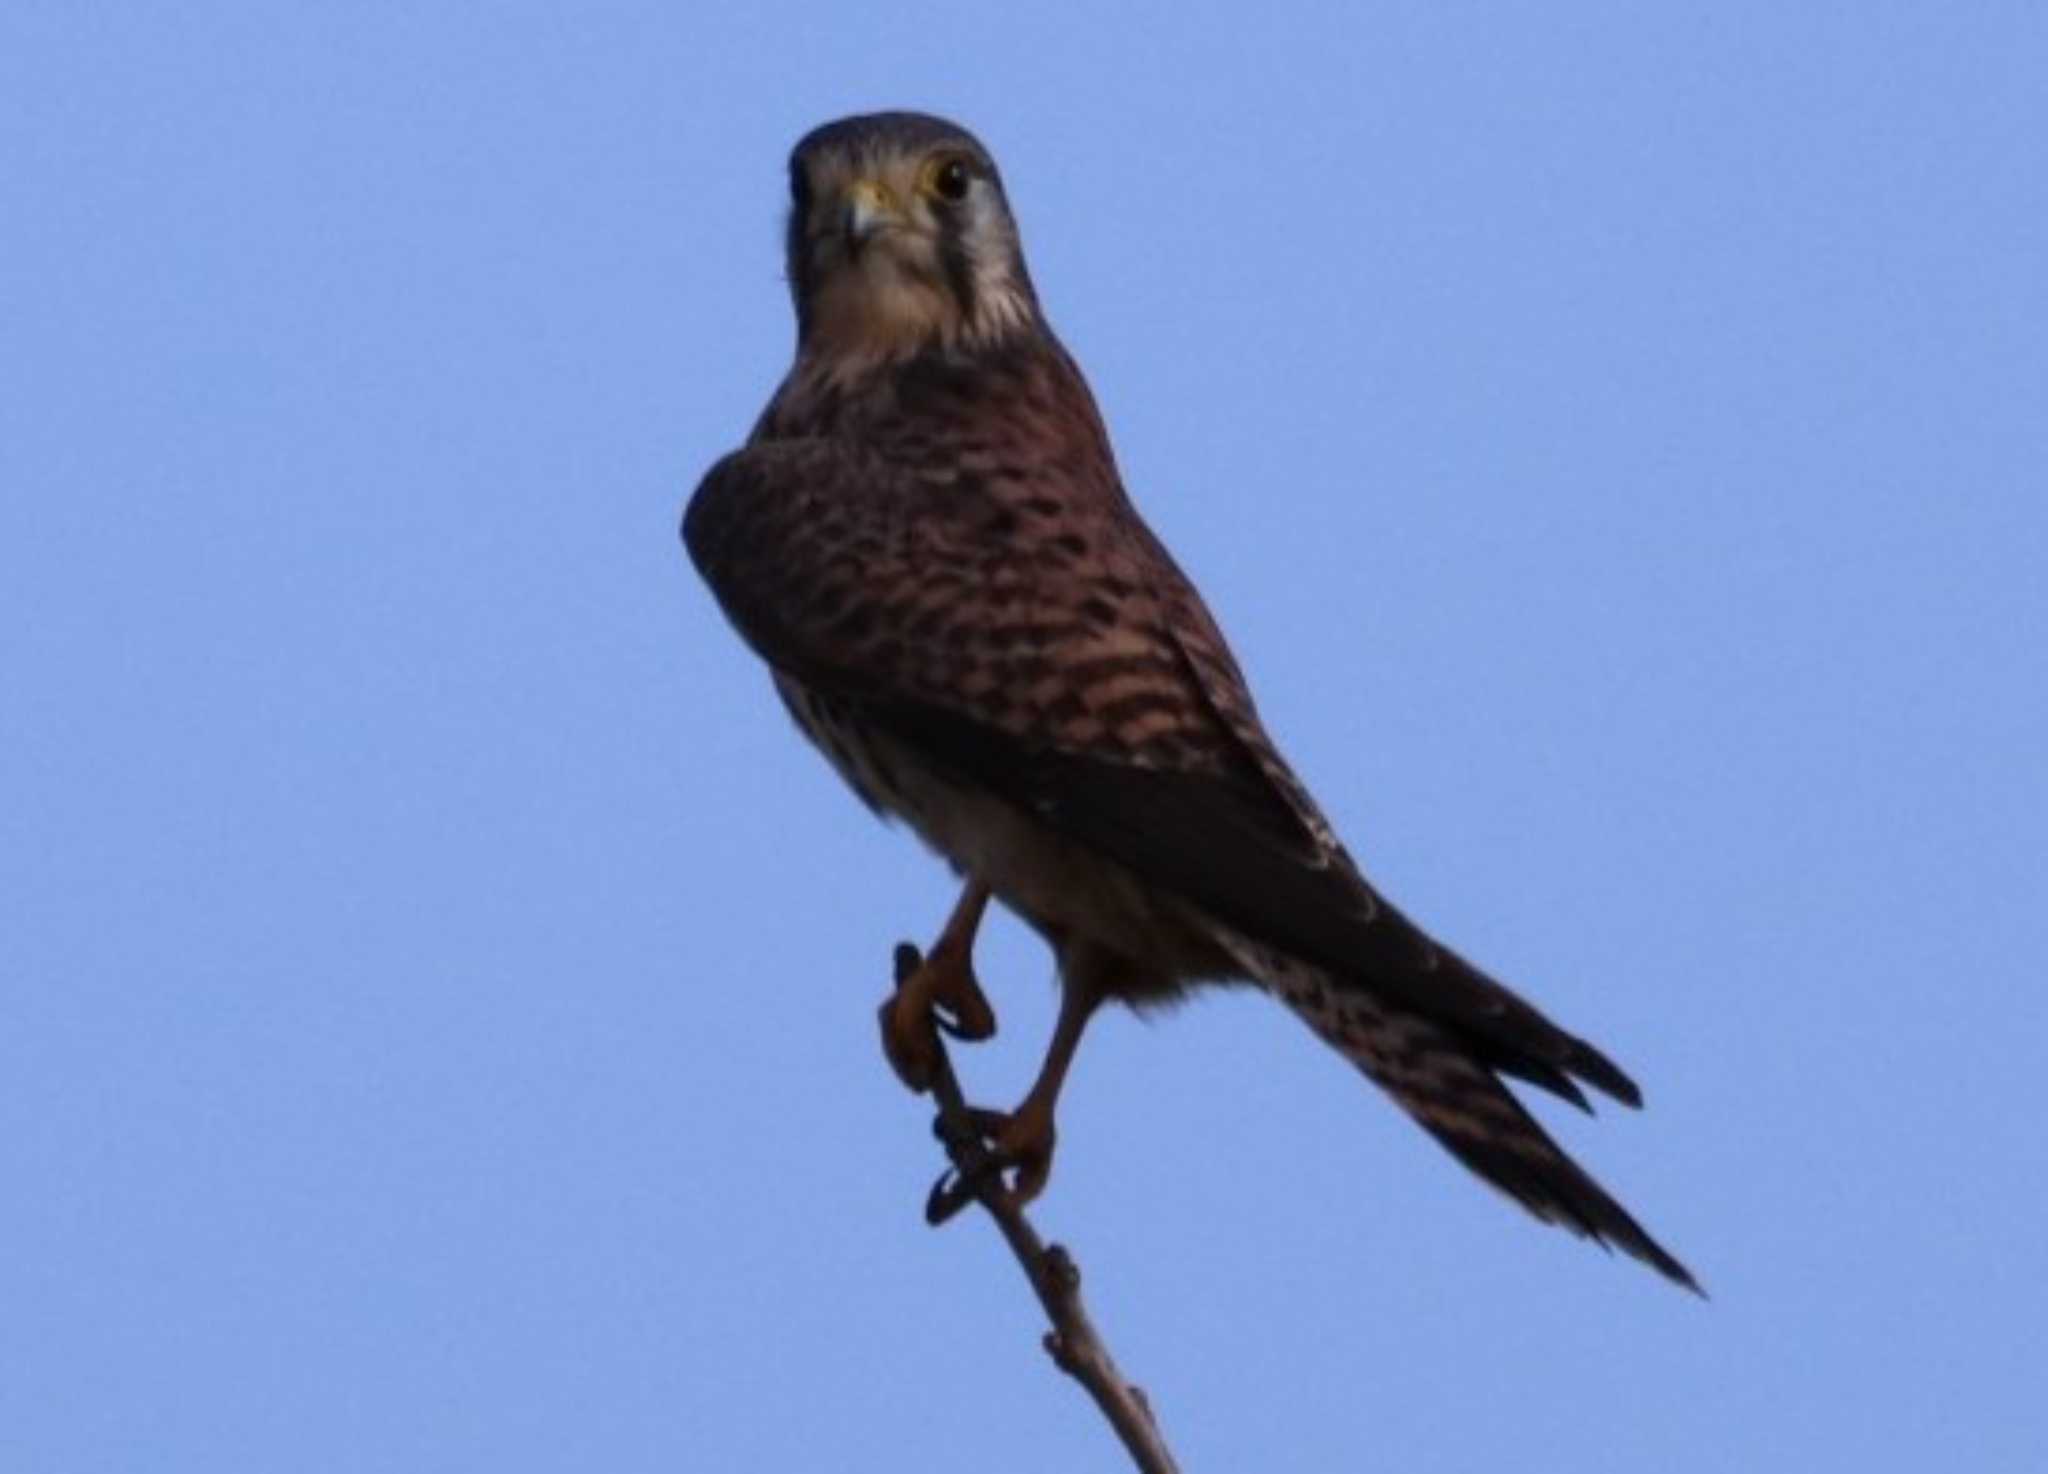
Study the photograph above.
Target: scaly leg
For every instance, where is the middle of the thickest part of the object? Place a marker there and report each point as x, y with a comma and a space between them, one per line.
942, 990
1024, 1138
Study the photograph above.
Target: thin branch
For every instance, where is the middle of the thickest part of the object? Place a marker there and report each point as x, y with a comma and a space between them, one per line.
1072, 1342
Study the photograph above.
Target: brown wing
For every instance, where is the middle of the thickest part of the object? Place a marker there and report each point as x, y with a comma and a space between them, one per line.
1044, 648
899, 590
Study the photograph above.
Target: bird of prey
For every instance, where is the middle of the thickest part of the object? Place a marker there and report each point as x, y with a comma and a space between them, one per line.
927, 540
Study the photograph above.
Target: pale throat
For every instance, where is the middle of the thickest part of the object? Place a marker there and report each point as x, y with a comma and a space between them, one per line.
877, 312
880, 313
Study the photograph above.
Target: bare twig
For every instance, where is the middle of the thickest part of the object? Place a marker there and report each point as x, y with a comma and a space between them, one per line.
1072, 1342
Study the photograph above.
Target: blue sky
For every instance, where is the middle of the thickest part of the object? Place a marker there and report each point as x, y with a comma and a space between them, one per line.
437, 988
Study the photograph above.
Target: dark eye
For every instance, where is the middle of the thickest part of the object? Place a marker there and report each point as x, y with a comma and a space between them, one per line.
951, 179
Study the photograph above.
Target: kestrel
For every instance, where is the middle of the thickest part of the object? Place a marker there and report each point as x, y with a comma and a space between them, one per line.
927, 540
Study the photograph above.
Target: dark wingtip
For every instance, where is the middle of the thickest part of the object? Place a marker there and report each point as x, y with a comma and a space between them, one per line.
1591, 1211
1545, 1076
1658, 1258
1583, 1206
1557, 1190
1603, 1074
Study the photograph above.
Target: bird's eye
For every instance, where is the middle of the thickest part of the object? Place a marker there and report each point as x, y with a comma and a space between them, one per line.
949, 179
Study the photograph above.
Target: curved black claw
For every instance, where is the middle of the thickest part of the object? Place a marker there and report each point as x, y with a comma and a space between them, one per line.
948, 1196
954, 1028
955, 1189
958, 1186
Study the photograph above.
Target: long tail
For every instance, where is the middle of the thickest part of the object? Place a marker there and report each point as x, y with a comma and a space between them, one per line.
1444, 1084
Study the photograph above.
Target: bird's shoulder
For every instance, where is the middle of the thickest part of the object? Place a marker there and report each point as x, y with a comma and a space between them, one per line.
950, 546
955, 533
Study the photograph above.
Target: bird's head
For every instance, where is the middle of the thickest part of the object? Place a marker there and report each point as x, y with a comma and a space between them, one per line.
900, 239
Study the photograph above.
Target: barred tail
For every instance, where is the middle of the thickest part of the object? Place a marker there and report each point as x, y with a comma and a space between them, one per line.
1441, 1082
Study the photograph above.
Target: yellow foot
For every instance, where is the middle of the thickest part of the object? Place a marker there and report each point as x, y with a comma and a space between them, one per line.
939, 990
1021, 1141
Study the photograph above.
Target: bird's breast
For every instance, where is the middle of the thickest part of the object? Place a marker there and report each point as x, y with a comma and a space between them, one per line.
1060, 888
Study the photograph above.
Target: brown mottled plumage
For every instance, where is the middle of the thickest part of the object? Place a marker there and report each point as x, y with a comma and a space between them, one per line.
927, 540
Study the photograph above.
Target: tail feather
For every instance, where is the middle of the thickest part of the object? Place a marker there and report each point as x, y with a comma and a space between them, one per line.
1449, 1087
1505, 1030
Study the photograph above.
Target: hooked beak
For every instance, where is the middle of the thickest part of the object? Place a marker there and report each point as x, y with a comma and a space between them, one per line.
866, 212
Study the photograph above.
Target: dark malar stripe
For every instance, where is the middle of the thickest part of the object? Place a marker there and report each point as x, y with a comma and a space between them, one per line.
959, 268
